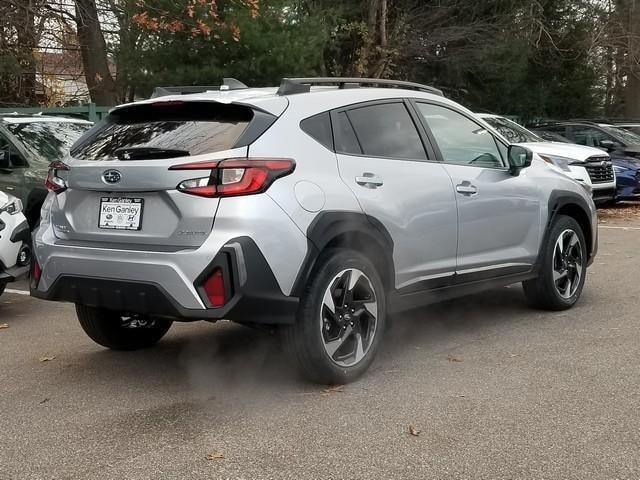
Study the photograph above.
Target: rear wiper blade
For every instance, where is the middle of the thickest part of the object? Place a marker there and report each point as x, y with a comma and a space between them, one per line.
148, 153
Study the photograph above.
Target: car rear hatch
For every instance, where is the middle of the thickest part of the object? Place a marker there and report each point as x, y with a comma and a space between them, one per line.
118, 187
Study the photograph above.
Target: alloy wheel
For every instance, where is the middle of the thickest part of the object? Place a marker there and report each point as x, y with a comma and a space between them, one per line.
568, 265
348, 317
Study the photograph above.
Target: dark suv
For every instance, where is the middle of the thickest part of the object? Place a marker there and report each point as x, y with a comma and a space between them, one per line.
28, 144
622, 145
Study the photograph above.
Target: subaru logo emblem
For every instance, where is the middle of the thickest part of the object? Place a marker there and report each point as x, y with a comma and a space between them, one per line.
111, 176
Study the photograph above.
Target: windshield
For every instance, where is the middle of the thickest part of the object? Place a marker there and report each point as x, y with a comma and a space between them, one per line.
512, 131
626, 136
47, 141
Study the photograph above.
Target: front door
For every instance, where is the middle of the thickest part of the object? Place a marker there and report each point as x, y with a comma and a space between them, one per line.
498, 213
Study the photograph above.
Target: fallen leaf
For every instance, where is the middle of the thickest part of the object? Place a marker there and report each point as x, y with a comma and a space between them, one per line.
4, 325
413, 431
47, 359
44, 401
215, 456
333, 389
451, 358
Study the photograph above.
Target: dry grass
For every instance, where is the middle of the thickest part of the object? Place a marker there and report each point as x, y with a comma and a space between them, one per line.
621, 211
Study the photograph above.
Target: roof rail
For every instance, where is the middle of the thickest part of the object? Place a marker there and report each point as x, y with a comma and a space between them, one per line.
227, 84
291, 86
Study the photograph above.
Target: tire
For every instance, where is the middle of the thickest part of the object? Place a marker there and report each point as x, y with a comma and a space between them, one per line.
357, 329
113, 330
555, 287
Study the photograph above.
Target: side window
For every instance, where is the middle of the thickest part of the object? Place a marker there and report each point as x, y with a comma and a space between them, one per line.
319, 127
9, 157
461, 140
5, 153
591, 137
345, 137
387, 130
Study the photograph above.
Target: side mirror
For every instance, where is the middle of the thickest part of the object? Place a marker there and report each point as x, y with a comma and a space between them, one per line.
609, 145
519, 158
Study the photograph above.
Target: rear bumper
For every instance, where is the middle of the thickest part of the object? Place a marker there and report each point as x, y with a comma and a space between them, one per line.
254, 296
255, 242
12, 274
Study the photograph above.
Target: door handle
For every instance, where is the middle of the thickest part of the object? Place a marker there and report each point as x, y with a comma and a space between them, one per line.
369, 180
465, 188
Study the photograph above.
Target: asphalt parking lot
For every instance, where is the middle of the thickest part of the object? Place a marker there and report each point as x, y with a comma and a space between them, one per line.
493, 390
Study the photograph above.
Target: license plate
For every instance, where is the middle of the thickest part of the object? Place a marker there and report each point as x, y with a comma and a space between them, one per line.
120, 213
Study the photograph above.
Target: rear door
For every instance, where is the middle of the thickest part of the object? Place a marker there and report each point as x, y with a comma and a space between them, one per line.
120, 187
399, 183
498, 213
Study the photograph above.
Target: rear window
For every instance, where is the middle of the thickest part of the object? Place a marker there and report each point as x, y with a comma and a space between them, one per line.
47, 141
193, 127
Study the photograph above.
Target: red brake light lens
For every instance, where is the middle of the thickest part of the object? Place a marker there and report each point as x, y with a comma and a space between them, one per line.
53, 182
234, 176
214, 288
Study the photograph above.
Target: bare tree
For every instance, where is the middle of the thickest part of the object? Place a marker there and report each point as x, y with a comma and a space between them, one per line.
102, 86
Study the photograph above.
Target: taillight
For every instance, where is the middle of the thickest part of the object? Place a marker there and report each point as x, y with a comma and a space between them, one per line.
53, 182
214, 288
234, 176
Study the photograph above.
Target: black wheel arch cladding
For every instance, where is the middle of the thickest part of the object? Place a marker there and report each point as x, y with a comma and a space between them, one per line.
572, 205
350, 230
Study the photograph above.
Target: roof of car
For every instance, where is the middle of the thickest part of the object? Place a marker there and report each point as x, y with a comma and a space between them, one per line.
16, 118
268, 99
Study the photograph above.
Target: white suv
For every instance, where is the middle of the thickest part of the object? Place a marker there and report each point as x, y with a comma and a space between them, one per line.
313, 208
588, 165
15, 237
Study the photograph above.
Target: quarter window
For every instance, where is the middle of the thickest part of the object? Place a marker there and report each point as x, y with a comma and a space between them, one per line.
461, 140
387, 130
319, 127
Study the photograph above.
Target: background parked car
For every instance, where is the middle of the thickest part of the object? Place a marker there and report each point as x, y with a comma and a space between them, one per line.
631, 126
622, 145
15, 235
28, 144
587, 165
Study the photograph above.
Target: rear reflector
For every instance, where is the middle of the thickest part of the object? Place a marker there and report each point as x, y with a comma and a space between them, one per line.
214, 288
36, 273
234, 176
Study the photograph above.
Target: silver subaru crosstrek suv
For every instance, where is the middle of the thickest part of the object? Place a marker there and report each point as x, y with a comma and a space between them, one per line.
319, 207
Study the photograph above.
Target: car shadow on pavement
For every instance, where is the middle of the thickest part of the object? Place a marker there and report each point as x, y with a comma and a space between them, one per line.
234, 359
